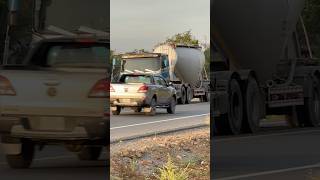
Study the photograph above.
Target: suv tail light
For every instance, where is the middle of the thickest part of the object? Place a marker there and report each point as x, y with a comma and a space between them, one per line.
143, 89
6, 87
100, 89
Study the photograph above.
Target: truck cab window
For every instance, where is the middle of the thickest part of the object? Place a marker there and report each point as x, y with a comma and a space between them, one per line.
164, 62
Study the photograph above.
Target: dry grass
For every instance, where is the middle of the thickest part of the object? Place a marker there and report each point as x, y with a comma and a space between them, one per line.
189, 153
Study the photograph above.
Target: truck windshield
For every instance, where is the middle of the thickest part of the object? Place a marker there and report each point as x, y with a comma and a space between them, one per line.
77, 56
142, 64
136, 79
71, 14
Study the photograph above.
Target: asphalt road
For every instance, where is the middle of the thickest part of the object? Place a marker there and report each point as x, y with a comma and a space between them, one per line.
278, 155
56, 163
130, 124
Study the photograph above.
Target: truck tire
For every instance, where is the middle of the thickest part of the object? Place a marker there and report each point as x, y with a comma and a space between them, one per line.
24, 159
252, 106
309, 114
172, 106
90, 153
189, 95
153, 106
117, 111
231, 122
182, 99
206, 97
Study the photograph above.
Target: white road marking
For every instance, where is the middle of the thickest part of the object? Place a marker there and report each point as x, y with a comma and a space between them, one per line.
53, 158
160, 121
264, 135
45, 159
270, 172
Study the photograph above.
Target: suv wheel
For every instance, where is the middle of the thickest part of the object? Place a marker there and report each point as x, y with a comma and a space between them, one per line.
24, 159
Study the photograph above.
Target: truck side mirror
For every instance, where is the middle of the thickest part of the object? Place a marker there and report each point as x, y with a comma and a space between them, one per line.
13, 7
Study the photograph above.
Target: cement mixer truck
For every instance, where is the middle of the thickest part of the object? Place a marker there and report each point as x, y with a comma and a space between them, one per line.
265, 65
181, 65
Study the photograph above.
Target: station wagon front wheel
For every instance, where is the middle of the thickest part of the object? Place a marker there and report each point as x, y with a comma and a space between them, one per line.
172, 106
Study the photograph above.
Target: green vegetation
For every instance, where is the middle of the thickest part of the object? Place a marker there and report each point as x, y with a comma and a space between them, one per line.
311, 18
171, 172
185, 38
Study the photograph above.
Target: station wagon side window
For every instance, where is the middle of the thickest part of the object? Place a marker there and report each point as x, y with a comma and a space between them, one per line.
157, 81
163, 82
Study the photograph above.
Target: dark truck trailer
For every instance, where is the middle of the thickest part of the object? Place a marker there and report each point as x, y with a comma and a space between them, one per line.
24, 22
267, 65
35, 36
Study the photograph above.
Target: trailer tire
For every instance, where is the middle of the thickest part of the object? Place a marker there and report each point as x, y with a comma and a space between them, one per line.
24, 159
309, 114
189, 95
206, 97
252, 106
182, 99
231, 122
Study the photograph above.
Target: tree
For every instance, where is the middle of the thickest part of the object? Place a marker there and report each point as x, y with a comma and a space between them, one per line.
2, 3
311, 16
185, 38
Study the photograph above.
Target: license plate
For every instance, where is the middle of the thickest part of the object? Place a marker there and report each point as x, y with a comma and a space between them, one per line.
52, 123
125, 100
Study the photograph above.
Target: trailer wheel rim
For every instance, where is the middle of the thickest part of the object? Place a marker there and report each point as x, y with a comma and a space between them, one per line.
253, 106
236, 107
316, 106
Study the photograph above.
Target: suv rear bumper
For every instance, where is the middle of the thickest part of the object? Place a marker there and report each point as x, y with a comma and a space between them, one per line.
129, 102
83, 129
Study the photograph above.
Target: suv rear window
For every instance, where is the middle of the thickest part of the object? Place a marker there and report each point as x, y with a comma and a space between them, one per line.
136, 79
71, 55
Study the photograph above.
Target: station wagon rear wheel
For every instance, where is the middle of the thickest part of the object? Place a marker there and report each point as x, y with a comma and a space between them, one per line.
117, 111
153, 108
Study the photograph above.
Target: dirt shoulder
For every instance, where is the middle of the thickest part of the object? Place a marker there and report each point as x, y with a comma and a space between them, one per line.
142, 159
